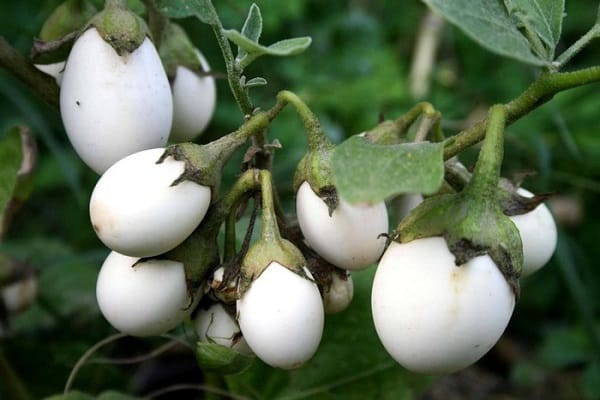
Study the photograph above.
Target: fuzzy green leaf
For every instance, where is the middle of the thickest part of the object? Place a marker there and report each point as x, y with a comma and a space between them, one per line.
201, 9
368, 173
544, 16
252, 27
285, 47
489, 24
255, 82
11, 154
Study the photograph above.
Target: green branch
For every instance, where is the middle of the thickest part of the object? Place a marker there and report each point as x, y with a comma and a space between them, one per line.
538, 93
21, 68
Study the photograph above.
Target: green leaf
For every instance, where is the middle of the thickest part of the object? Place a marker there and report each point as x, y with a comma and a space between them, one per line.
255, 82
369, 173
254, 50
488, 23
221, 359
544, 16
252, 28
202, 9
11, 155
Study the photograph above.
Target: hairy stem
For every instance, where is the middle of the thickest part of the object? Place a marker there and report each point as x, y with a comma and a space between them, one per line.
314, 132
269, 228
538, 93
487, 170
576, 47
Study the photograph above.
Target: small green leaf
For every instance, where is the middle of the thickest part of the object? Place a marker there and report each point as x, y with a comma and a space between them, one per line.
289, 47
254, 50
11, 155
202, 9
255, 82
221, 359
368, 173
488, 23
252, 27
544, 17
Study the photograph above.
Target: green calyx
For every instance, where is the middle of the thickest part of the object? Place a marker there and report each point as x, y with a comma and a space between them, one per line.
204, 163
68, 17
199, 253
472, 221
271, 247
316, 166
176, 49
511, 202
316, 169
120, 27
60, 30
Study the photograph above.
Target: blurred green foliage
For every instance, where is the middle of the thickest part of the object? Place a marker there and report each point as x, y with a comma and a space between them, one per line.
356, 69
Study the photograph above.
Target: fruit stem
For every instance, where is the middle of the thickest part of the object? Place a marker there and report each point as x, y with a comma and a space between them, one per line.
487, 169
269, 229
224, 147
317, 139
388, 132
157, 22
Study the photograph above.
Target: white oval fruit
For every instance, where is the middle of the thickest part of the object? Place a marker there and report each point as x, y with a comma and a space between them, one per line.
350, 238
135, 210
432, 316
538, 235
55, 70
194, 100
19, 295
340, 293
112, 105
147, 299
281, 316
217, 325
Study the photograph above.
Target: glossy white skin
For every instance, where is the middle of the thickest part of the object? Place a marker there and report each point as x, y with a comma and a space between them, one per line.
349, 238
135, 210
112, 105
339, 296
433, 317
216, 323
194, 100
55, 70
19, 295
538, 235
281, 316
146, 300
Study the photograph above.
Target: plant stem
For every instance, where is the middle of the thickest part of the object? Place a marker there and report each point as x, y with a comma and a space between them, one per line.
225, 146
576, 47
15, 388
538, 93
19, 66
314, 132
156, 21
269, 229
233, 72
487, 170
